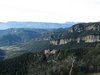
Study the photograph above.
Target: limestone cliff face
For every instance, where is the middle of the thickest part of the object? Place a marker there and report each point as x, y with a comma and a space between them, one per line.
85, 27
83, 32
86, 39
54, 42
91, 38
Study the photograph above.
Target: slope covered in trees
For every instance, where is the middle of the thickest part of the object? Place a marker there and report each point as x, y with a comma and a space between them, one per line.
86, 60
14, 36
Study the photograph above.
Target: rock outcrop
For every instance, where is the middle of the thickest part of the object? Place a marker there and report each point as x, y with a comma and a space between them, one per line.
86, 39
83, 32
85, 27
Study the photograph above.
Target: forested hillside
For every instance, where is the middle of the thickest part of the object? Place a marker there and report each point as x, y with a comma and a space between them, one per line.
19, 35
84, 61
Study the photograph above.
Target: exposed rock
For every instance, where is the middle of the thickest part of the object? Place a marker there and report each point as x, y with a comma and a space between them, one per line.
85, 27
54, 42
86, 39
91, 38
53, 51
48, 52
82, 32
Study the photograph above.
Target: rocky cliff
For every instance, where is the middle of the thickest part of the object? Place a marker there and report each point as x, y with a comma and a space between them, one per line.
82, 32
85, 27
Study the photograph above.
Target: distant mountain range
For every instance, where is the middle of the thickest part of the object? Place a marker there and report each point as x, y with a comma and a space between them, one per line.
13, 36
41, 25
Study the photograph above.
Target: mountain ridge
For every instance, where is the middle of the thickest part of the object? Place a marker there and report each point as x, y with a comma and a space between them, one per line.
18, 35
81, 32
41, 25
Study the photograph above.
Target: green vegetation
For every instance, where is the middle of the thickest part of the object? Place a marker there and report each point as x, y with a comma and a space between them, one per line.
86, 62
15, 36
73, 45
32, 46
35, 46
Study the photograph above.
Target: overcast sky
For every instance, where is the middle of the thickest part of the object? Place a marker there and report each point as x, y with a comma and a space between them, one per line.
50, 10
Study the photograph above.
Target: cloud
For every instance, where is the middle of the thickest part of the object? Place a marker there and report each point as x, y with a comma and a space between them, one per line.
49, 10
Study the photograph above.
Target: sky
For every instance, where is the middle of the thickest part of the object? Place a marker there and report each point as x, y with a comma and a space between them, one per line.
57, 11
